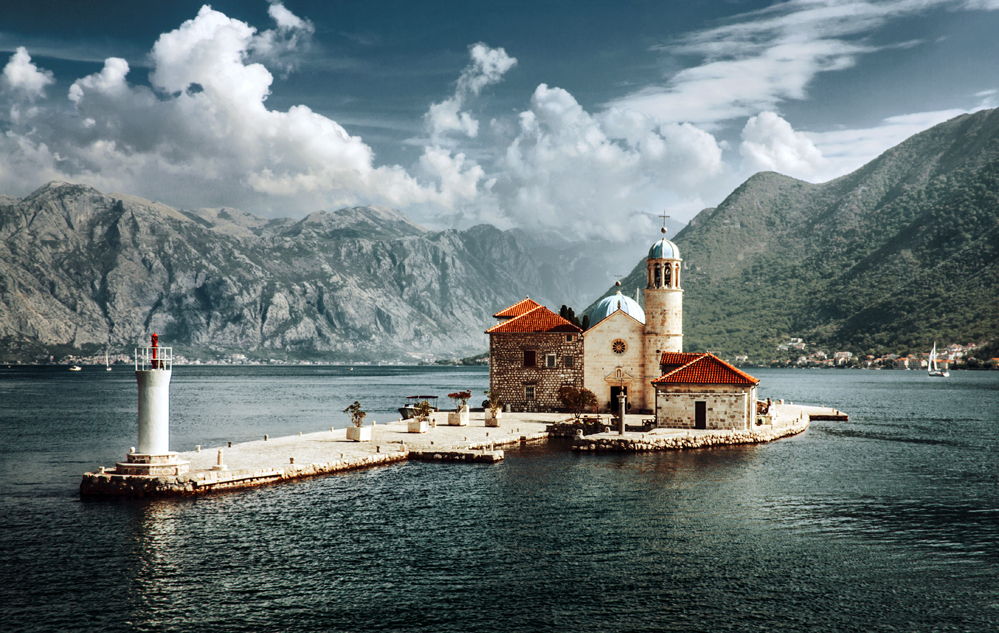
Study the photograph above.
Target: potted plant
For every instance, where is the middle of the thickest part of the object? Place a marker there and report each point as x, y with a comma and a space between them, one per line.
460, 415
358, 432
418, 423
494, 408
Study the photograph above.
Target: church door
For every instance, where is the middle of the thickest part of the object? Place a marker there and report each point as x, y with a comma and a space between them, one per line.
700, 415
615, 406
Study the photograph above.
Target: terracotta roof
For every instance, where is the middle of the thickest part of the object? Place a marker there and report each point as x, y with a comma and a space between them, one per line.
678, 358
704, 369
517, 309
540, 319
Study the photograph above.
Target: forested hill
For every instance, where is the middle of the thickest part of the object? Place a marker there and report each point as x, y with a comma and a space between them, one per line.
891, 257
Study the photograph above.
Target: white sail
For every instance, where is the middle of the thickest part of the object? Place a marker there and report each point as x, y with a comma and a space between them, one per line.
932, 369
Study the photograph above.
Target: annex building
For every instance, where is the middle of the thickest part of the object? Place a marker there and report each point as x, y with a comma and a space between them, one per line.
533, 352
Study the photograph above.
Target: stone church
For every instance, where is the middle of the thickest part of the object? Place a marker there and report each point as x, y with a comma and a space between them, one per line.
534, 352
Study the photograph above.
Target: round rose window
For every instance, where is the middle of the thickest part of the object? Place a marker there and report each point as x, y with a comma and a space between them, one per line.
619, 346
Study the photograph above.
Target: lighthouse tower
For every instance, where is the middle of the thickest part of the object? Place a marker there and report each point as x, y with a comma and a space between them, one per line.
153, 368
663, 309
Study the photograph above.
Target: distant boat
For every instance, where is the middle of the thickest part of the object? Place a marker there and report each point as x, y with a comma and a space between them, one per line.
75, 368
933, 370
107, 365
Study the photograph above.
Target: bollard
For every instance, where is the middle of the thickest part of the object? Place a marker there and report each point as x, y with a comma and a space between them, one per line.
197, 448
299, 434
403, 447
341, 455
331, 429
230, 444
220, 457
101, 471
378, 449
292, 460
487, 434
265, 437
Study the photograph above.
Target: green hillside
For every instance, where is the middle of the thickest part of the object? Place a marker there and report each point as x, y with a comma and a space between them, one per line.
897, 254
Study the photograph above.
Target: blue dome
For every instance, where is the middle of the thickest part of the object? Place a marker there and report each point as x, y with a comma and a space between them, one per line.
610, 305
664, 249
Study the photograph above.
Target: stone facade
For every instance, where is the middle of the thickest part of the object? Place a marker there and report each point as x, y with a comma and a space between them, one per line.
615, 358
725, 406
514, 381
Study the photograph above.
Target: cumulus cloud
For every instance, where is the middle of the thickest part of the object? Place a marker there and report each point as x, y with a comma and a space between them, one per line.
201, 133
487, 67
22, 77
594, 175
769, 143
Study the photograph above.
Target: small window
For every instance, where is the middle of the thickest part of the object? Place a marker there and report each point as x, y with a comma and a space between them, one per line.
619, 347
530, 358
567, 361
568, 338
550, 361
529, 392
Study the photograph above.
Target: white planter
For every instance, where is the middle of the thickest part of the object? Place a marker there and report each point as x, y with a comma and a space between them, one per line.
458, 419
419, 426
492, 420
359, 433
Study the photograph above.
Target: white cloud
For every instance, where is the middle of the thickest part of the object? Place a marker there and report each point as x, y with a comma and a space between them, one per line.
205, 136
770, 144
487, 67
592, 176
766, 57
23, 78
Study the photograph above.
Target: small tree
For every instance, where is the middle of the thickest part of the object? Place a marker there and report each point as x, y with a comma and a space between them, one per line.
460, 399
576, 400
493, 402
356, 414
422, 410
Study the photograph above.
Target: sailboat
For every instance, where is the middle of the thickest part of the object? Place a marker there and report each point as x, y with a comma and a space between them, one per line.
107, 364
933, 369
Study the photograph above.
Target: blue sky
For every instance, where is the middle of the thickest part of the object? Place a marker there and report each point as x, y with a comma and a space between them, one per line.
587, 117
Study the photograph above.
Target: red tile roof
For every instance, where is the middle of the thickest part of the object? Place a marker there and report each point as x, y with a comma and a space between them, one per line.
517, 309
540, 319
704, 369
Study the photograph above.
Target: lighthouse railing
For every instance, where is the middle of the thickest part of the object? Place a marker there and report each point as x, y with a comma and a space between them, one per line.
146, 358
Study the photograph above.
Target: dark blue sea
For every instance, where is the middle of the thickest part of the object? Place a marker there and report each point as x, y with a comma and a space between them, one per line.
888, 522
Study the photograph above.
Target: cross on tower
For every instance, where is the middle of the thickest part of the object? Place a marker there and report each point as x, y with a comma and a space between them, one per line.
664, 216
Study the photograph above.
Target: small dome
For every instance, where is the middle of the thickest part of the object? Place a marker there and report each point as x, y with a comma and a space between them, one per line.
664, 249
610, 305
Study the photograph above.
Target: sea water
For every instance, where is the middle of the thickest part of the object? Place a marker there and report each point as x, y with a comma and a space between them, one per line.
888, 522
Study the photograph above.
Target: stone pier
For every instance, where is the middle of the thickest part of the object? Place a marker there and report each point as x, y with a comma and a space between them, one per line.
276, 459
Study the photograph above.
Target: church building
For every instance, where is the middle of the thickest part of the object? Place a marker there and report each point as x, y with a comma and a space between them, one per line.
626, 350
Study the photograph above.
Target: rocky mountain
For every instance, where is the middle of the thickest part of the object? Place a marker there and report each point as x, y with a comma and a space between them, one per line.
891, 257
81, 269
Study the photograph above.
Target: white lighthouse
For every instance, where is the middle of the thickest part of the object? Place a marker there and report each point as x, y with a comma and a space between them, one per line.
153, 368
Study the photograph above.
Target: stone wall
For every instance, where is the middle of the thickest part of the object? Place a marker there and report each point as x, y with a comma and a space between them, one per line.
509, 377
727, 406
636, 443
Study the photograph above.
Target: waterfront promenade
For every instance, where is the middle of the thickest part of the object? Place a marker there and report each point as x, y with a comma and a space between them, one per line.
276, 459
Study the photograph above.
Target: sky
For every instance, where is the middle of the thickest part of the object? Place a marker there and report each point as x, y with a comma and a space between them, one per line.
589, 118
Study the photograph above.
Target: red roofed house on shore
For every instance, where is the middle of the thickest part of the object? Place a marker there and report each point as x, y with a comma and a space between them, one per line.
533, 352
701, 391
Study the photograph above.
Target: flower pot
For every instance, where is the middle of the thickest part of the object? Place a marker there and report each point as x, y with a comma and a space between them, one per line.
359, 433
492, 420
418, 426
458, 419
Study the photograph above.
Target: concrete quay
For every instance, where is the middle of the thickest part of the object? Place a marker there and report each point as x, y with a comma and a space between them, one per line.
276, 459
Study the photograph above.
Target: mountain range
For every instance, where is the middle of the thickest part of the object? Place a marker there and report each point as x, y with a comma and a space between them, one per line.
897, 254
83, 270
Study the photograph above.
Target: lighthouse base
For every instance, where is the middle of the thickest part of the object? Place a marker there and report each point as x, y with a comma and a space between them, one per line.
152, 465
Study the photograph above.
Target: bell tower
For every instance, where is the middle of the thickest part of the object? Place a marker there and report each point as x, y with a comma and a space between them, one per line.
663, 308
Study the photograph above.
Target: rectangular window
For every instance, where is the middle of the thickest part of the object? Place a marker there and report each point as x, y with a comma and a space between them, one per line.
530, 358
529, 392
568, 338
567, 361
550, 361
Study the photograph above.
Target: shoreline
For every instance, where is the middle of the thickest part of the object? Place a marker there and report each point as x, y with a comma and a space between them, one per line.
274, 460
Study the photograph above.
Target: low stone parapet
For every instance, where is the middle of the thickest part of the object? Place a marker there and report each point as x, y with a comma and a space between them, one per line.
675, 441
